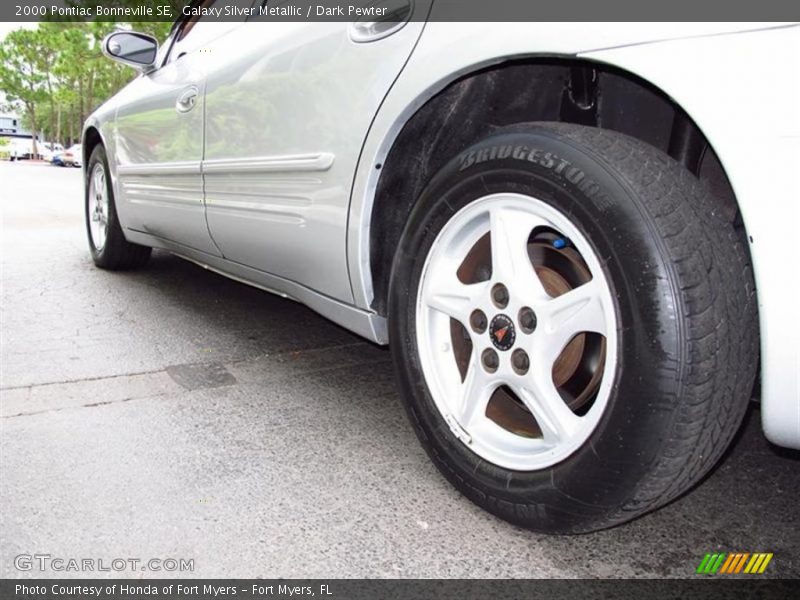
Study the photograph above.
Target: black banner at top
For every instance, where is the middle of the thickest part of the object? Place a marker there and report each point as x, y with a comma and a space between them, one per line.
782, 11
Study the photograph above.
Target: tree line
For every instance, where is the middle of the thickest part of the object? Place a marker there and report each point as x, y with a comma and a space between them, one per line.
55, 75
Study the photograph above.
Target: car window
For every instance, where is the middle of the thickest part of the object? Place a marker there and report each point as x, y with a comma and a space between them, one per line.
197, 31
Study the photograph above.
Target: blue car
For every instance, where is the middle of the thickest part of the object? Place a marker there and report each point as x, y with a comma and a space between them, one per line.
71, 157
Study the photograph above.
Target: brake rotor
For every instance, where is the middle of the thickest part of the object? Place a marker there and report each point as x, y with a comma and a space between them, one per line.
562, 270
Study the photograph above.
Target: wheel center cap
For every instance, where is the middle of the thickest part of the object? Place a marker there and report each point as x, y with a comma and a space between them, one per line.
502, 332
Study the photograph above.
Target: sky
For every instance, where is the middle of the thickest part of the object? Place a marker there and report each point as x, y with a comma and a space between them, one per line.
6, 27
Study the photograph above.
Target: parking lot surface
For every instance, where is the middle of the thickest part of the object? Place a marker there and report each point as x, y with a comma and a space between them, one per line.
173, 413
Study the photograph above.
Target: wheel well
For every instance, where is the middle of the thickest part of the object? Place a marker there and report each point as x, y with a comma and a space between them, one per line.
571, 91
90, 139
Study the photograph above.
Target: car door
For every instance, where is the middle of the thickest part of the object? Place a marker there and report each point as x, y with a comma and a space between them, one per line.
159, 135
288, 105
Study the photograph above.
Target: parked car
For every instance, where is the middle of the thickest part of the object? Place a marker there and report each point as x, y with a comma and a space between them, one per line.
570, 234
49, 150
71, 157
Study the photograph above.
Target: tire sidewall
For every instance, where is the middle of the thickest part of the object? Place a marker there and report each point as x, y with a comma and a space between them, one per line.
604, 471
98, 155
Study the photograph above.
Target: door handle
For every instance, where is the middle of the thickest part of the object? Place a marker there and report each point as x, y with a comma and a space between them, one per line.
186, 100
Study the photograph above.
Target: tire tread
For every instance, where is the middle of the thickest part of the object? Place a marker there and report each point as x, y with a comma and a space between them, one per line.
721, 316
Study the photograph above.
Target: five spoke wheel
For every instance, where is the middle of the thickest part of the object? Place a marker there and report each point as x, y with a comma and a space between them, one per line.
98, 207
516, 331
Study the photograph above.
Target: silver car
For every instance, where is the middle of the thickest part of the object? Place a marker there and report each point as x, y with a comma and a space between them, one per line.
569, 234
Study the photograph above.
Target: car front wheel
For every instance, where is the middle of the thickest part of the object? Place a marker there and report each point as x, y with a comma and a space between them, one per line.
107, 243
573, 326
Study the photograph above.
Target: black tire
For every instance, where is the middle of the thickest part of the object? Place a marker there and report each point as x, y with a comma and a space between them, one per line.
687, 324
117, 253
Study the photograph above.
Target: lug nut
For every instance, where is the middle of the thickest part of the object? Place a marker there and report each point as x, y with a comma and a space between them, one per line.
478, 321
500, 295
490, 360
527, 320
520, 361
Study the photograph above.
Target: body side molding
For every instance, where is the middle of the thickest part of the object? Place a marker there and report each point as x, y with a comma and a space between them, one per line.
321, 161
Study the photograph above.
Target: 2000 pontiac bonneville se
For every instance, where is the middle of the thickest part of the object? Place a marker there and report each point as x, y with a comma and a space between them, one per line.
577, 238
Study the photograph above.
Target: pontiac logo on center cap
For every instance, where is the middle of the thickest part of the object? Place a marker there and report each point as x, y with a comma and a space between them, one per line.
502, 333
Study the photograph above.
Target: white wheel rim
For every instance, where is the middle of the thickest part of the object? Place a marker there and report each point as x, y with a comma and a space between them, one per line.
98, 207
586, 309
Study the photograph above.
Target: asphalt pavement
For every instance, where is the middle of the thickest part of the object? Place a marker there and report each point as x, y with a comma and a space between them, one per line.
171, 413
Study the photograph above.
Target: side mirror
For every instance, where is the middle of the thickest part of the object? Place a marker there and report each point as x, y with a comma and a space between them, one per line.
130, 48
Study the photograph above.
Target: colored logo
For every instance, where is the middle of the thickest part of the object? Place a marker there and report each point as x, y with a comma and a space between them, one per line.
501, 331
734, 562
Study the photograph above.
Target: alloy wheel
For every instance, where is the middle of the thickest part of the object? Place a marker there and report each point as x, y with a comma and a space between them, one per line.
98, 207
516, 331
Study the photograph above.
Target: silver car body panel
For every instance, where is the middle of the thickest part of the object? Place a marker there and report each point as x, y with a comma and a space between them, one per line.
158, 153
279, 162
